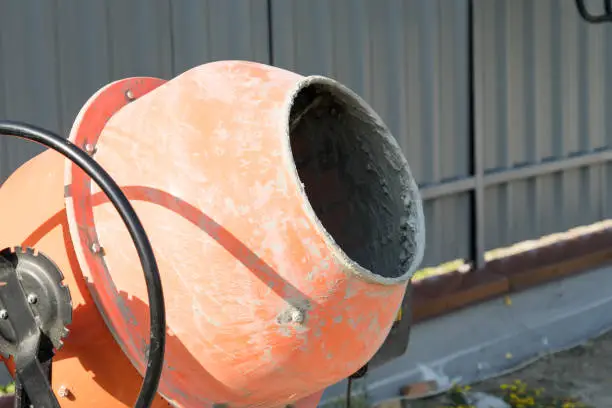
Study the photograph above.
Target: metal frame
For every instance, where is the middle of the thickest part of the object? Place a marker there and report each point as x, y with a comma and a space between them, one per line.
480, 180
497, 177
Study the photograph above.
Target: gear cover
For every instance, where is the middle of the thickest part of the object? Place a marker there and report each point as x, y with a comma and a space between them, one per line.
40, 281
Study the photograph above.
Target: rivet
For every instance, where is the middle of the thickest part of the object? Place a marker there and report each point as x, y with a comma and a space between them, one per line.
96, 248
32, 298
63, 391
297, 316
90, 149
130, 95
3, 314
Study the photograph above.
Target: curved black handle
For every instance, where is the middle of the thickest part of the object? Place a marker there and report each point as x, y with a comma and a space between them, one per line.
106, 183
595, 19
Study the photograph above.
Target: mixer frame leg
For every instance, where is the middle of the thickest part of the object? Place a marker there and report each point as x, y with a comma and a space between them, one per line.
21, 330
33, 378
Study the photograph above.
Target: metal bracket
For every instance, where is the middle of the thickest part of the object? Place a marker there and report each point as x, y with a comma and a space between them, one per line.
605, 17
396, 343
28, 343
34, 310
33, 382
359, 373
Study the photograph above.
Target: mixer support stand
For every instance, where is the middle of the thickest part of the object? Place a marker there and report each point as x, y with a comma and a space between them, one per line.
33, 379
22, 338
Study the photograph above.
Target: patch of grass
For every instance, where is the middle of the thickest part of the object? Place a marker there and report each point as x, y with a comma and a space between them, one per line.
439, 270
358, 397
8, 389
516, 394
357, 401
517, 248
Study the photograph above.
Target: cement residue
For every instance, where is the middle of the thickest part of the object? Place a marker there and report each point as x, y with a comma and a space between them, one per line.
357, 183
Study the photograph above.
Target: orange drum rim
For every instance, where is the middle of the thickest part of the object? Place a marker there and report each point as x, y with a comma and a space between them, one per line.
410, 187
85, 133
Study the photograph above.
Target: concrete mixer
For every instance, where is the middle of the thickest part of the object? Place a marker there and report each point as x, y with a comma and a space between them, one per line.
274, 216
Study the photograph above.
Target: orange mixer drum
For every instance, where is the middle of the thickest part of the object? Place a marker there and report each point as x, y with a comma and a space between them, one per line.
284, 219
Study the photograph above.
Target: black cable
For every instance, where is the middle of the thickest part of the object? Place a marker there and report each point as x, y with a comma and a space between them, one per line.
349, 386
155, 360
349, 383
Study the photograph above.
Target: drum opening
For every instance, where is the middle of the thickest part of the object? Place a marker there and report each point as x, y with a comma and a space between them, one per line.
356, 179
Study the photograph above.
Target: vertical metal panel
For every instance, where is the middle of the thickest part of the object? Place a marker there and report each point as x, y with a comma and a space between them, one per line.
541, 84
139, 38
56, 54
544, 87
83, 56
30, 90
408, 59
209, 30
477, 164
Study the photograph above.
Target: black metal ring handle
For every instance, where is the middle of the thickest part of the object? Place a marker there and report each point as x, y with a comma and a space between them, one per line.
157, 311
605, 17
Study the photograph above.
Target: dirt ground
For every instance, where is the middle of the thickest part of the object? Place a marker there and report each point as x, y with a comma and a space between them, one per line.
584, 373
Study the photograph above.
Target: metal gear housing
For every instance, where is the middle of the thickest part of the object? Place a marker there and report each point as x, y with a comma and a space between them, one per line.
49, 300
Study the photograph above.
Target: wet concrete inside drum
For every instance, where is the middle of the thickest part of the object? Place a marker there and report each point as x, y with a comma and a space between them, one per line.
352, 183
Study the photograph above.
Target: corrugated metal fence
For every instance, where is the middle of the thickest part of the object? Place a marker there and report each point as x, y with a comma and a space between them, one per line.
474, 129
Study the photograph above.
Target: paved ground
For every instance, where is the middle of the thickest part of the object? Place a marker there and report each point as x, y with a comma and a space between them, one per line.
584, 372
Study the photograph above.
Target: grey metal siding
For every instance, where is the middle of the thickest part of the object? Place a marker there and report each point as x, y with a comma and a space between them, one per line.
408, 59
55, 54
540, 85
29, 86
545, 90
210, 30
